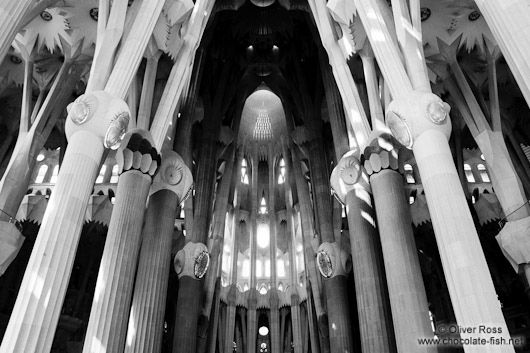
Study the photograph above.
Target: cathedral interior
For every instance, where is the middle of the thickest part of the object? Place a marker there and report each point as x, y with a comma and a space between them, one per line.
264, 176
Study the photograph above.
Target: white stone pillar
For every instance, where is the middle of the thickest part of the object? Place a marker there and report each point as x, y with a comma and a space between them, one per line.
36, 312
420, 121
107, 327
508, 21
146, 321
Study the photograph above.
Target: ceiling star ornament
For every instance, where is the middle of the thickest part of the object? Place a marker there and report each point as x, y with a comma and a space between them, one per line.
46, 30
12, 70
437, 22
471, 25
83, 22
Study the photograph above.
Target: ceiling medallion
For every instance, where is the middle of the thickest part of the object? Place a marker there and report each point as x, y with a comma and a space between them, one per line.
425, 13
15, 59
46, 16
473, 16
94, 13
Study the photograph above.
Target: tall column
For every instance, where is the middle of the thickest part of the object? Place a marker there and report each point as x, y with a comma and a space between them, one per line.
309, 238
190, 283
350, 183
335, 287
508, 23
236, 231
107, 327
11, 17
295, 298
420, 121
36, 312
252, 319
410, 310
274, 300
146, 322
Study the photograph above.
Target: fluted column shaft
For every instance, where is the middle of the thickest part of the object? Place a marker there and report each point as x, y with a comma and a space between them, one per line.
308, 234
107, 326
295, 298
508, 22
36, 312
340, 330
252, 321
374, 320
146, 322
11, 16
189, 308
410, 310
468, 279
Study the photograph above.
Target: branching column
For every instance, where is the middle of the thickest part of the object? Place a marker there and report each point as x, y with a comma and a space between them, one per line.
146, 321
410, 310
350, 183
107, 327
38, 306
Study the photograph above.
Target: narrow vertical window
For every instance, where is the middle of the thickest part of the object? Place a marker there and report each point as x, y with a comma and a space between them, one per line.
41, 174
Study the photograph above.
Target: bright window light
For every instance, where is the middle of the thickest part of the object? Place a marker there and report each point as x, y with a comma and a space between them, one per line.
263, 236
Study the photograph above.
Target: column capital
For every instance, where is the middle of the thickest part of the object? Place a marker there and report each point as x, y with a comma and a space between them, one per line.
100, 113
173, 175
192, 261
412, 114
332, 261
348, 175
382, 153
137, 152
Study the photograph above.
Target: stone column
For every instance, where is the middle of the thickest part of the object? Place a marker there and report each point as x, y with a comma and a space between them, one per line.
410, 309
138, 162
335, 287
252, 320
308, 233
190, 283
274, 300
295, 298
36, 312
350, 183
508, 23
191, 264
419, 120
11, 17
146, 322
236, 231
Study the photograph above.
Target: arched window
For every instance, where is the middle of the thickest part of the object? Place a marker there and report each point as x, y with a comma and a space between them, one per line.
469, 174
263, 236
409, 175
101, 175
263, 206
262, 289
55, 174
244, 171
114, 177
281, 176
41, 174
483, 173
